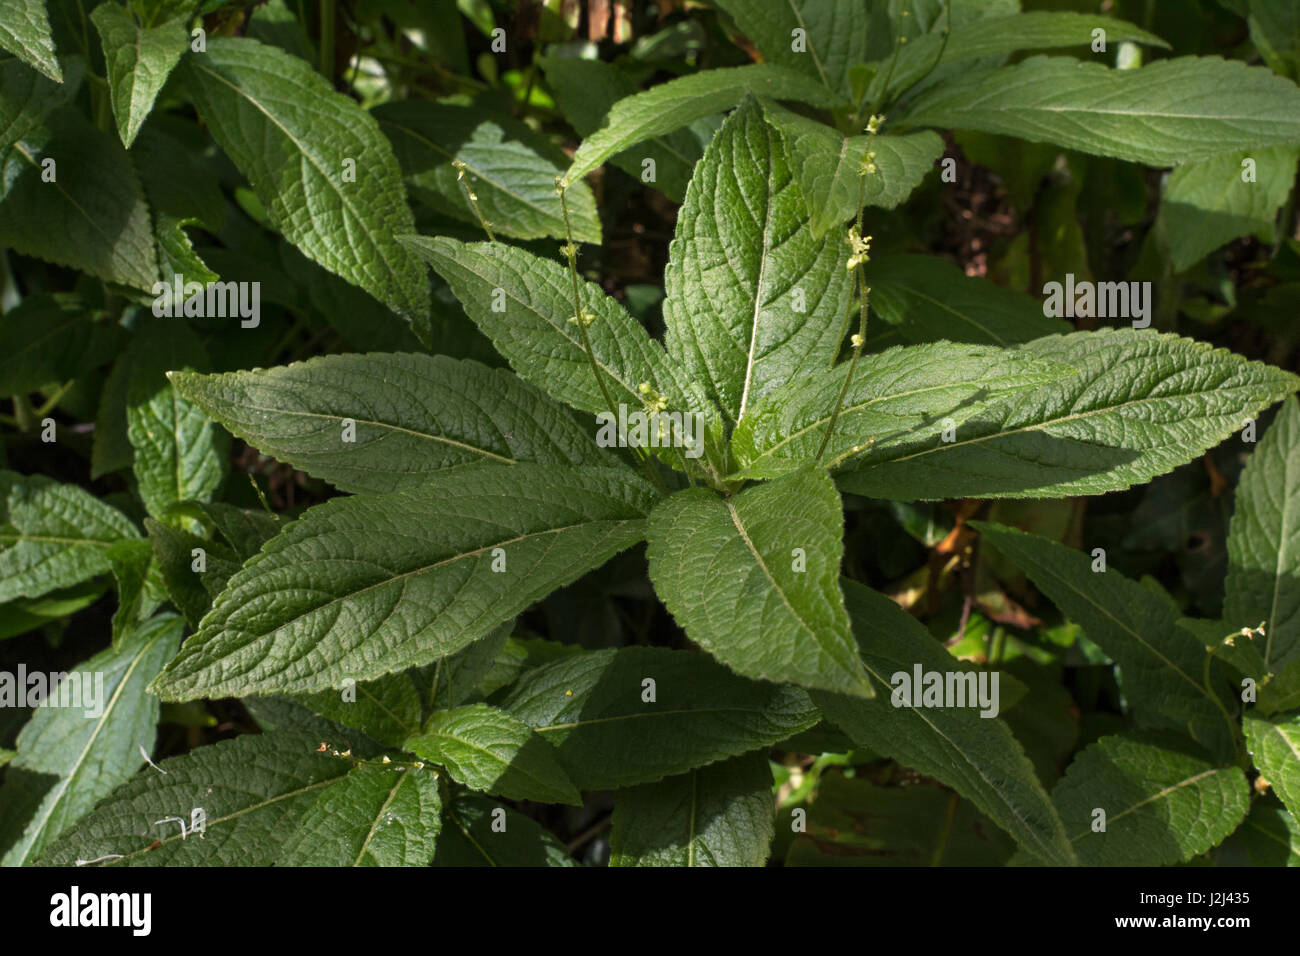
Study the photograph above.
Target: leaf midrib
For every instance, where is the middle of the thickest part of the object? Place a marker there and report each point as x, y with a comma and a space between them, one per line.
37, 824
388, 425
394, 277
1185, 782
352, 595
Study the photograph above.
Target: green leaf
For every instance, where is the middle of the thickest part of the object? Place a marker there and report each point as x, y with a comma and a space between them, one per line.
490, 750
896, 396
586, 90
1270, 835
1205, 204
1282, 692
752, 300
191, 591
1275, 31
27, 96
976, 756
364, 586
754, 579
138, 60
50, 338
928, 299
853, 822
466, 675
179, 454
183, 193
594, 709
131, 559
997, 36
253, 791
1275, 748
719, 815
72, 756
828, 166
832, 35
373, 816
1263, 583
53, 535
294, 138
92, 216
387, 709
1164, 802
509, 168
479, 832
1162, 114
672, 105
534, 332
1161, 665
25, 32
412, 416
1142, 404
246, 530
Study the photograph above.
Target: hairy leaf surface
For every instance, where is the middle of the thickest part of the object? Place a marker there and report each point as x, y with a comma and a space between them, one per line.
1164, 802
84, 757
1275, 747
670, 106
1161, 114
731, 572
92, 216
360, 587
1263, 582
833, 33
490, 750
53, 535
373, 816
253, 791
719, 815
294, 137
977, 756
138, 59
412, 416
1161, 664
593, 709
828, 166
895, 397
752, 300
1142, 404
510, 169
25, 32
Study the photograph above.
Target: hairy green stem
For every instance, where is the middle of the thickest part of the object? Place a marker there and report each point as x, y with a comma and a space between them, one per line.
858, 340
571, 254
473, 200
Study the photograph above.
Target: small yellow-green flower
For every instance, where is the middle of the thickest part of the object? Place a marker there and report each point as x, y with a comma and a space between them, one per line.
860, 246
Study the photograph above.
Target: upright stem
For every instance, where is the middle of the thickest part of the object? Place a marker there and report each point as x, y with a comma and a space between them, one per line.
327, 40
571, 254
24, 414
863, 293
473, 200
